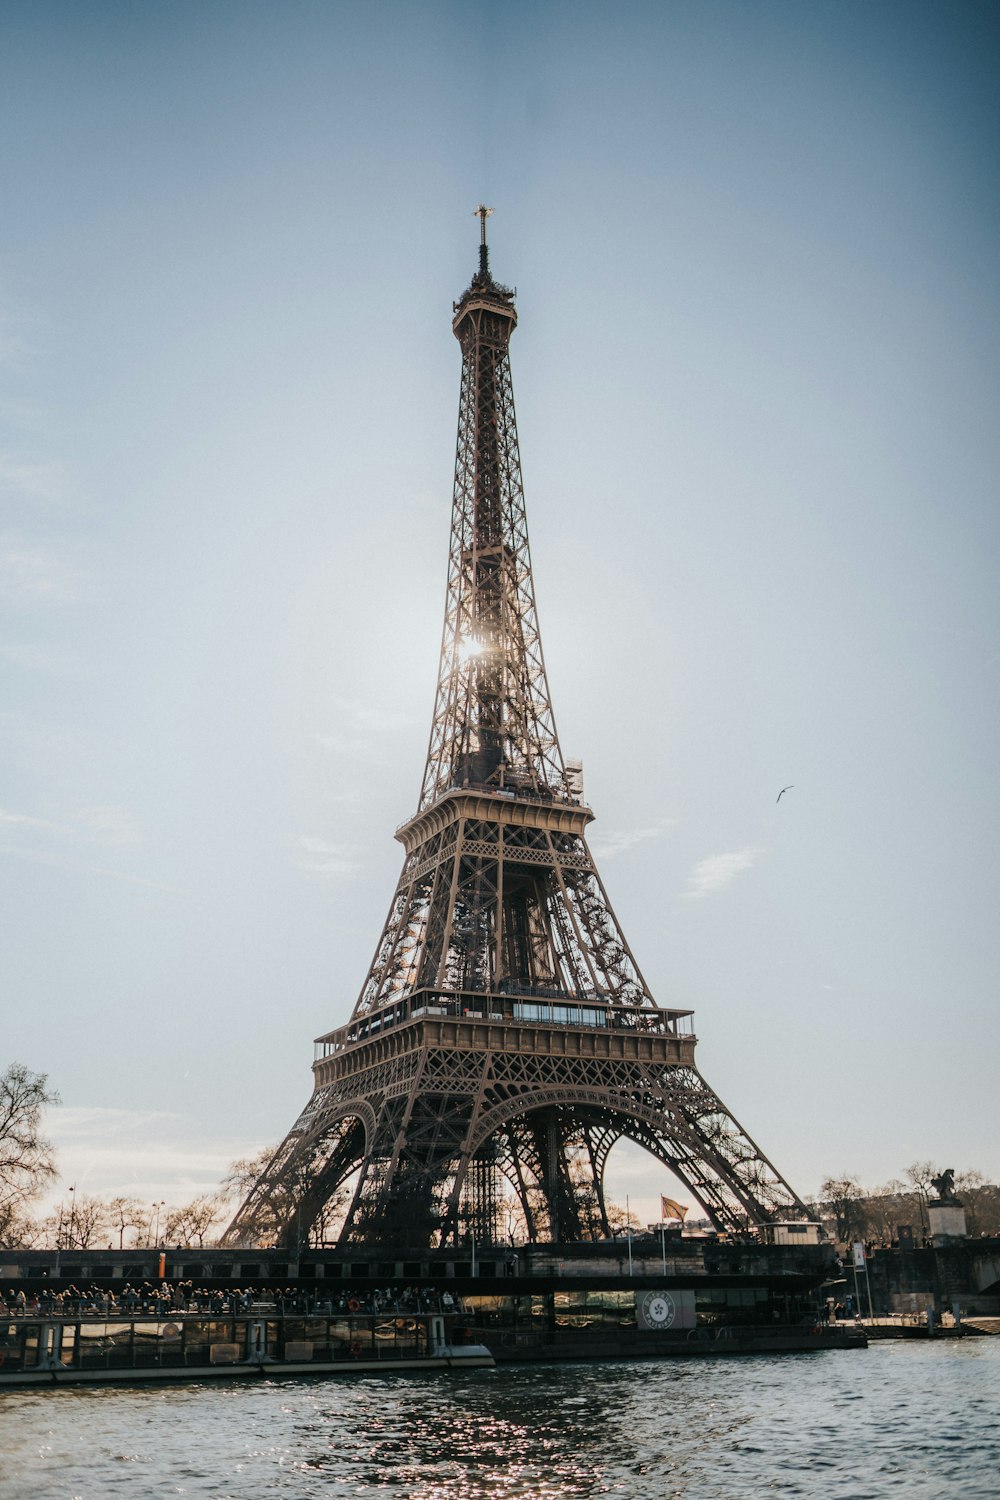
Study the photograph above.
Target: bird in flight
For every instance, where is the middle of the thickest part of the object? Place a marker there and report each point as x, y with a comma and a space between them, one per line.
784, 789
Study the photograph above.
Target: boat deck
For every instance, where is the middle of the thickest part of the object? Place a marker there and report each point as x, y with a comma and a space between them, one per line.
42, 1349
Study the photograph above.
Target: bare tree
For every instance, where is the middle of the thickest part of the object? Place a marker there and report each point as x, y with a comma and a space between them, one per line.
191, 1224
279, 1218
89, 1222
981, 1200
236, 1186
244, 1174
18, 1230
26, 1156
887, 1207
327, 1222
861, 1213
920, 1175
622, 1220
81, 1226
844, 1199
125, 1214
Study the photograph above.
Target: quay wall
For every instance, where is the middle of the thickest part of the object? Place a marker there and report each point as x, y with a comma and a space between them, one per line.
687, 1260
962, 1277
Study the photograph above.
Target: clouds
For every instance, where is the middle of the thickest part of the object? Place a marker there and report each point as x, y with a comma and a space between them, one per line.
361, 728
64, 843
103, 826
322, 858
38, 567
106, 825
146, 1153
46, 481
613, 844
708, 876
38, 657
718, 871
36, 572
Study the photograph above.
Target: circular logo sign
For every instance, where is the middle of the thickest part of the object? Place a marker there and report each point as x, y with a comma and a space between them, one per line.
658, 1309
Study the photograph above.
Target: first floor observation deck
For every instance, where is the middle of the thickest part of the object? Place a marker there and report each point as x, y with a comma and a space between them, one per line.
525, 1019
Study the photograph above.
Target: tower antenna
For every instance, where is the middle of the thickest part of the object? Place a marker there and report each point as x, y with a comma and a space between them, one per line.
482, 213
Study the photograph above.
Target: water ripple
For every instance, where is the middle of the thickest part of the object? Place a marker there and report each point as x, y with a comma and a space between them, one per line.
919, 1421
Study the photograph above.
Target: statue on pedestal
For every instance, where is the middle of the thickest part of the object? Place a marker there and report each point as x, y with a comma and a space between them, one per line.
944, 1186
945, 1213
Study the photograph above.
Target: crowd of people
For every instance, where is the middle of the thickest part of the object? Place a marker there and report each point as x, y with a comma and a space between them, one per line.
167, 1299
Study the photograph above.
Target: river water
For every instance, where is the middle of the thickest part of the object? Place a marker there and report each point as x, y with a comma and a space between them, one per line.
919, 1420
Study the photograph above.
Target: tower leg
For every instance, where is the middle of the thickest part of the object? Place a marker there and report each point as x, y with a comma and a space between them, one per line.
597, 1174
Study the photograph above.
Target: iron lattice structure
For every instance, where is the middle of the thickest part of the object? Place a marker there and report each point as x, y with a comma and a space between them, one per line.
504, 1039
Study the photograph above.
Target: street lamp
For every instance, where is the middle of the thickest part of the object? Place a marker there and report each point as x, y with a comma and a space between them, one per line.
59, 1237
72, 1216
156, 1223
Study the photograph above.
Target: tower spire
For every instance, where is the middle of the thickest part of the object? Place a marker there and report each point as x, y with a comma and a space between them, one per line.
482, 213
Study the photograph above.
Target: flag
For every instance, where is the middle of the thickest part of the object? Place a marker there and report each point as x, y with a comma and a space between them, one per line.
671, 1210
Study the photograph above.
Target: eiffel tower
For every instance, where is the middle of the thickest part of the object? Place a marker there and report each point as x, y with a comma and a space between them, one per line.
504, 1039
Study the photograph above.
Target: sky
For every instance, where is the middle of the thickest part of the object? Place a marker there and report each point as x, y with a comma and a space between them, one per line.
754, 247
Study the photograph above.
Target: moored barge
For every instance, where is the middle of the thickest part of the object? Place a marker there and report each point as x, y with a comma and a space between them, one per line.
169, 1314
88, 1348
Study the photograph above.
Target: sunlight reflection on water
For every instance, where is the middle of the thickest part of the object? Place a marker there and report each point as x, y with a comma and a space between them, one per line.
899, 1419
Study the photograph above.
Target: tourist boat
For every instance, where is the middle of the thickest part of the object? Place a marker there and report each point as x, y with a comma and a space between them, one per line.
85, 1348
147, 1314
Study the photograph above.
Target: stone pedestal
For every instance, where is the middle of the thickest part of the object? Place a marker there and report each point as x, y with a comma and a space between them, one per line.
947, 1223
